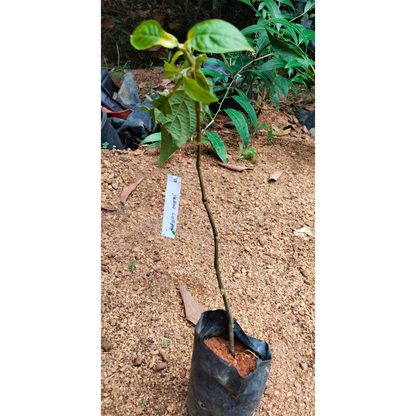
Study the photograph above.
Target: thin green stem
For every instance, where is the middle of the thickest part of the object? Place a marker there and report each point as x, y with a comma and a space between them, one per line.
228, 89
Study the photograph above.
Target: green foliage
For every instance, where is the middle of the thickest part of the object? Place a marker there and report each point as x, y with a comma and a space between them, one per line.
176, 110
105, 145
132, 265
165, 341
248, 154
216, 142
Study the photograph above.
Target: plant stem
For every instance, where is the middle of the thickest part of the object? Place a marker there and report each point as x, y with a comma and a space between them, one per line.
214, 229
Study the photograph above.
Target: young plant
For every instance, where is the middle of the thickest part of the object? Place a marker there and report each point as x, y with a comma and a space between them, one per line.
248, 154
180, 111
105, 145
132, 265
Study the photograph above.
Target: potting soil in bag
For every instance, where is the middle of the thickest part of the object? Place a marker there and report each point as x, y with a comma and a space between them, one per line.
215, 387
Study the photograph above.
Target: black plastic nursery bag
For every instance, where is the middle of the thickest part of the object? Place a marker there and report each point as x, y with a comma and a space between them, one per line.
215, 387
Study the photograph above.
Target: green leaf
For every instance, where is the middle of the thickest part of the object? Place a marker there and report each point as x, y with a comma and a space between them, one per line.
149, 34
276, 99
197, 92
245, 103
283, 49
240, 123
152, 145
199, 59
152, 138
288, 3
214, 61
170, 70
162, 102
202, 81
272, 64
273, 8
218, 145
310, 4
177, 128
217, 36
253, 28
175, 57
212, 73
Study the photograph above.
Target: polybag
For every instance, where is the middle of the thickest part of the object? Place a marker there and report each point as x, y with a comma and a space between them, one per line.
216, 387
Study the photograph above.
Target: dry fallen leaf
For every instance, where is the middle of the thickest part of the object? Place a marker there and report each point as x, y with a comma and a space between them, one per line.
282, 133
193, 309
107, 23
154, 48
128, 190
275, 176
303, 232
159, 16
234, 167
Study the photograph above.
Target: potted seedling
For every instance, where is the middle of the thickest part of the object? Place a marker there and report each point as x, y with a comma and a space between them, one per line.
215, 387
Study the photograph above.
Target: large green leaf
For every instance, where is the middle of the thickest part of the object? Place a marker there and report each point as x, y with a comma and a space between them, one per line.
217, 36
245, 103
218, 145
178, 127
240, 123
197, 92
150, 33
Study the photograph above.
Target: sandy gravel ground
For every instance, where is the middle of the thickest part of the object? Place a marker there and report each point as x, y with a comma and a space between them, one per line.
268, 271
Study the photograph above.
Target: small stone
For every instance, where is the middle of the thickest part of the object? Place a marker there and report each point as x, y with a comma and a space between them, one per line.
139, 411
262, 241
268, 392
229, 125
312, 132
304, 366
122, 325
182, 373
289, 394
164, 355
247, 249
154, 318
161, 366
170, 409
114, 185
112, 322
308, 282
106, 346
137, 361
103, 268
237, 275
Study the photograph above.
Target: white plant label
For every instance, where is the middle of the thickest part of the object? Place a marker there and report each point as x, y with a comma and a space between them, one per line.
170, 212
